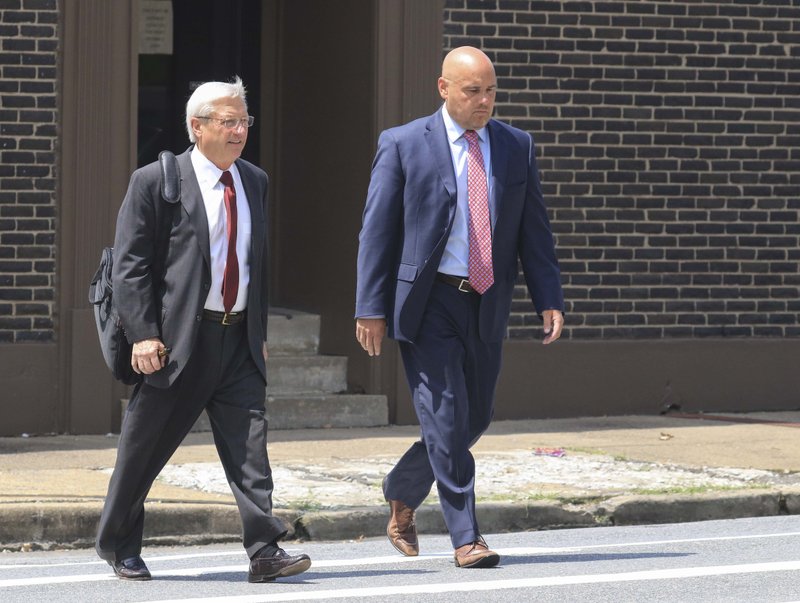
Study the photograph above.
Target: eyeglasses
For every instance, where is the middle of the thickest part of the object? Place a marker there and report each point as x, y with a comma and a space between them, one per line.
230, 124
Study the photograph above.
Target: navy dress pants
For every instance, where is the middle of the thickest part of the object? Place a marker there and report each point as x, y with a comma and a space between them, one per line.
452, 375
221, 378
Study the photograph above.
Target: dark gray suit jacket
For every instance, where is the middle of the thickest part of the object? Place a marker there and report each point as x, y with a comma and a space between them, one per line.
169, 303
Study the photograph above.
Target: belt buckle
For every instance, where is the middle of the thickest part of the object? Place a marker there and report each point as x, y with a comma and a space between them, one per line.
225, 316
464, 283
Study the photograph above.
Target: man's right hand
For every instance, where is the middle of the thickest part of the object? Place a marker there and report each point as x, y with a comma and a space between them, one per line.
145, 357
370, 333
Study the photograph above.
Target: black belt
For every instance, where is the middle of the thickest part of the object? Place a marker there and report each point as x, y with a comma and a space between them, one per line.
459, 283
224, 318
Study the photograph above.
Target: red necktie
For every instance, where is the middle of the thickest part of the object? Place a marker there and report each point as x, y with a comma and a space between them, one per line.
481, 275
230, 281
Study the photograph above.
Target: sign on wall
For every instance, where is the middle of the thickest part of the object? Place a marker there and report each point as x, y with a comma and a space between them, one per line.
155, 27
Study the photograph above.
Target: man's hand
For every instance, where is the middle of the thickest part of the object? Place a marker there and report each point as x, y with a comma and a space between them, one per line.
370, 332
147, 356
265, 351
553, 323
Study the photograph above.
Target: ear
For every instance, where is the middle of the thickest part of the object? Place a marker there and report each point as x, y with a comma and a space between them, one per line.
196, 127
442, 85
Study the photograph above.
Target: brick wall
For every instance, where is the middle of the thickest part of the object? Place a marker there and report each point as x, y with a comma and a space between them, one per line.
28, 118
668, 137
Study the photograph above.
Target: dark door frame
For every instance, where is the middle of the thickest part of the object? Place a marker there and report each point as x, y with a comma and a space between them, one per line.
98, 109
98, 152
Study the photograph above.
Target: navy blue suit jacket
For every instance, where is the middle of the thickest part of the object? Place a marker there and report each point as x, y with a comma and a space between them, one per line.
409, 213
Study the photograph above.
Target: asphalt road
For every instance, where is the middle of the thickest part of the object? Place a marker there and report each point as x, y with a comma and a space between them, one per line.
736, 560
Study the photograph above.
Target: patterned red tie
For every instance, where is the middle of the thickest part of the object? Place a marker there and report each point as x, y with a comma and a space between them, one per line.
481, 275
230, 281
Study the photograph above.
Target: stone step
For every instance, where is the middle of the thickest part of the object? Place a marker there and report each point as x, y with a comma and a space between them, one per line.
292, 333
320, 412
326, 411
305, 389
321, 374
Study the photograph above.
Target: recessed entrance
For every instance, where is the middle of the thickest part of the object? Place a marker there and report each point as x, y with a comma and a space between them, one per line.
184, 43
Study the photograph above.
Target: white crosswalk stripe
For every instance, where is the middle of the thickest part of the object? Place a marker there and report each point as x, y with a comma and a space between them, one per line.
98, 571
493, 585
320, 595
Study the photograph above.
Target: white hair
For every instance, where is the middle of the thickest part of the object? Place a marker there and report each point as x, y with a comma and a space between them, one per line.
201, 103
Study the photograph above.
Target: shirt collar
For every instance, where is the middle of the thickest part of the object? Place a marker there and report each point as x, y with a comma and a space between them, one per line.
454, 131
207, 173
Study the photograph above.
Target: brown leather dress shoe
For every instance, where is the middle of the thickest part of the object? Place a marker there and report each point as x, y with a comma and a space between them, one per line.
402, 531
476, 554
266, 568
132, 568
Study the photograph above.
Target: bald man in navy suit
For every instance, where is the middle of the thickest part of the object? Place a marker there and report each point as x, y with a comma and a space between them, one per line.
415, 284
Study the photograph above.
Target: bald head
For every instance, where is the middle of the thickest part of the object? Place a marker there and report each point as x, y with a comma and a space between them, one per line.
468, 85
463, 60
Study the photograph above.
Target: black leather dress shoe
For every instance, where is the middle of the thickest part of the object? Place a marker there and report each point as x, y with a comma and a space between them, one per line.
266, 567
132, 568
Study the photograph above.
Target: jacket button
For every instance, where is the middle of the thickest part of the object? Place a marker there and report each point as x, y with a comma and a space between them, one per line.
199, 317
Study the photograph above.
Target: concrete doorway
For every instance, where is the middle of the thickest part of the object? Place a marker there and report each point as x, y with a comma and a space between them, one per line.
208, 41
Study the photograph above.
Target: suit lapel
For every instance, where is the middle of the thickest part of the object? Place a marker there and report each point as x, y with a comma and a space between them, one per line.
192, 202
499, 149
436, 137
254, 197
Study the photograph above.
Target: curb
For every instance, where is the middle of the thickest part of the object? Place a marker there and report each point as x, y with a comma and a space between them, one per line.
34, 526
628, 511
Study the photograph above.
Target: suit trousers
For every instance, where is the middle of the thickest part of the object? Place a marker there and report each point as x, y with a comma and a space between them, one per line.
452, 374
222, 378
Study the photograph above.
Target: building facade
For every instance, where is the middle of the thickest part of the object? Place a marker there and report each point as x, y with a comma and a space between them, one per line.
668, 137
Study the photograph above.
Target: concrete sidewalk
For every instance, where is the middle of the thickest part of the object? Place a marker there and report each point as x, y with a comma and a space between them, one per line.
535, 474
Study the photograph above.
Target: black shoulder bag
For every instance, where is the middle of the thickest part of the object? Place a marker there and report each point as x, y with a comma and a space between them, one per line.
110, 330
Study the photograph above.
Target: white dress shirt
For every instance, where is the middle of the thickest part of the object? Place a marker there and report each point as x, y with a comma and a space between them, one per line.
213, 190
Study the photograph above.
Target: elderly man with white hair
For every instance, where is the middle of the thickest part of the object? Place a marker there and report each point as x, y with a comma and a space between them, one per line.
190, 285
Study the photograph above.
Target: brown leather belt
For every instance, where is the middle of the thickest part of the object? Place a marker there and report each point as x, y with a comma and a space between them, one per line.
459, 283
224, 318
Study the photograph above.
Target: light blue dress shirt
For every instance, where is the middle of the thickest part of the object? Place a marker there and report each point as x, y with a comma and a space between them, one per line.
456, 252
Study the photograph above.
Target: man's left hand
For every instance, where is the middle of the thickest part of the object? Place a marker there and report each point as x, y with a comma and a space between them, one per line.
553, 323
148, 356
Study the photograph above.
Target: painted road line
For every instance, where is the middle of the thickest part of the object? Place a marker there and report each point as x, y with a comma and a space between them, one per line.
509, 551
496, 585
391, 560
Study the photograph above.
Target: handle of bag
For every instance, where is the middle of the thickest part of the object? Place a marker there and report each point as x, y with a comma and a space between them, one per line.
170, 177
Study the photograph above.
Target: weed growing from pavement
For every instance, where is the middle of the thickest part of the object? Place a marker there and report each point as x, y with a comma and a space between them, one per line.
518, 497
541, 496
697, 489
532, 497
307, 504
